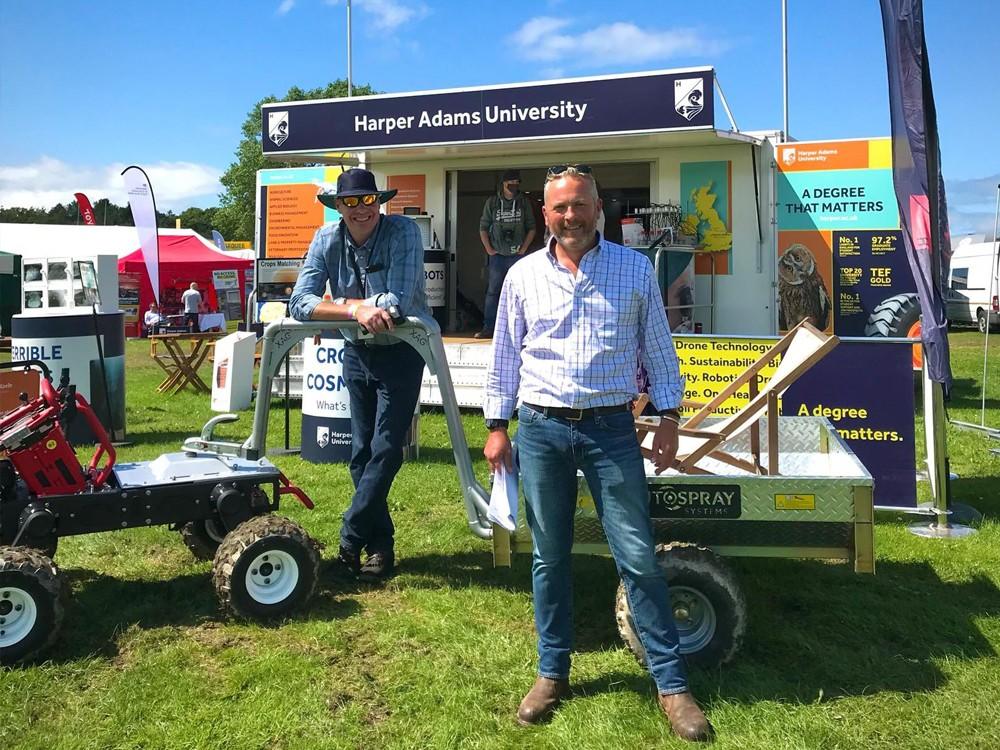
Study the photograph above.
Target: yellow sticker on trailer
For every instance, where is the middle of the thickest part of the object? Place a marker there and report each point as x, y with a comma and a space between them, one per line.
795, 502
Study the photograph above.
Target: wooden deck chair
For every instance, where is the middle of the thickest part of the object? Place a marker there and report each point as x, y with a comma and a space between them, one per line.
800, 348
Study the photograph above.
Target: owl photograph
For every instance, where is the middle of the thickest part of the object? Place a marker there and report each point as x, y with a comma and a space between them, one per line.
802, 294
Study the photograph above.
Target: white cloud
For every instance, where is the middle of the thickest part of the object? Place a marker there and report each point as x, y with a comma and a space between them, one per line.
972, 205
48, 181
388, 15
552, 40
286, 5
537, 30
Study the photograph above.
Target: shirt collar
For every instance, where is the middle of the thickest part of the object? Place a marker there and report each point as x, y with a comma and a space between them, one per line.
366, 246
550, 249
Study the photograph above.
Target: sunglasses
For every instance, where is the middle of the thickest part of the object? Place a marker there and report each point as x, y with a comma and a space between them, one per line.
352, 201
559, 169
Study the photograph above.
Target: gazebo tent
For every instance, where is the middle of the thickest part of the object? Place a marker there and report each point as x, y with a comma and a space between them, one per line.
184, 259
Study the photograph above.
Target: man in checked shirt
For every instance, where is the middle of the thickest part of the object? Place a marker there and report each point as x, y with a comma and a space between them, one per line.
573, 321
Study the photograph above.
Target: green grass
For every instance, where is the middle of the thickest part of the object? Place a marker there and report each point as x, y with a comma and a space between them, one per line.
441, 656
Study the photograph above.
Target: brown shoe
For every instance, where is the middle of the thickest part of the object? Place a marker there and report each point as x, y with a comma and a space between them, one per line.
543, 698
483, 334
686, 719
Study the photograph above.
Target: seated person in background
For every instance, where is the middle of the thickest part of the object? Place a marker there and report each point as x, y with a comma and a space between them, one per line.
152, 320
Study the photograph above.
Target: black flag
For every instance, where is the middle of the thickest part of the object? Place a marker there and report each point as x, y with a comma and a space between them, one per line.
916, 174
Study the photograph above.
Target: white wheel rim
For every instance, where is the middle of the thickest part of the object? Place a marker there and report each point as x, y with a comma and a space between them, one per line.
272, 577
18, 615
695, 618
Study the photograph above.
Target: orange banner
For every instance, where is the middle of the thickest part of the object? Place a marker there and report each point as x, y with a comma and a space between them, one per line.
293, 214
805, 279
412, 192
799, 157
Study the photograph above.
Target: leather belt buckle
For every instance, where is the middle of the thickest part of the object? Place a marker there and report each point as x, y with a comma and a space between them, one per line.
578, 417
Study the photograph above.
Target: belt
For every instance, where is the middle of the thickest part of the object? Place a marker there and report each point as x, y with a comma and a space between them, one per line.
575, 415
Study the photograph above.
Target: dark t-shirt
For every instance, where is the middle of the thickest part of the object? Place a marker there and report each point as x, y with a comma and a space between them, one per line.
507, 221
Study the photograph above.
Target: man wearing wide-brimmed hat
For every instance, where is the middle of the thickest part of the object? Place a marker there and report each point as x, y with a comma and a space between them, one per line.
373, 263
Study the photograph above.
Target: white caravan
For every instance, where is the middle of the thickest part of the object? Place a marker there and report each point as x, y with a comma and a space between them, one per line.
973, 285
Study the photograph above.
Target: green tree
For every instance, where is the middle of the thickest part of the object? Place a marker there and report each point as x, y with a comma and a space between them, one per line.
201, 220
62, 213
111, 214
237, 206
19, 215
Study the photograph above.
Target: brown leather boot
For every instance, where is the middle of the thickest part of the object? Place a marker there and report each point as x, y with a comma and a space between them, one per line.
543, 698
686, 719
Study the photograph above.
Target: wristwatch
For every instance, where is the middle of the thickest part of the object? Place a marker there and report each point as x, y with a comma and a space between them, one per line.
674, 415
340, 300
496, 424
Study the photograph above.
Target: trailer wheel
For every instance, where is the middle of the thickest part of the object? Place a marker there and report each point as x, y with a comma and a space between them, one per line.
708, 605
203, 537
265, 568
31, 610
894, 317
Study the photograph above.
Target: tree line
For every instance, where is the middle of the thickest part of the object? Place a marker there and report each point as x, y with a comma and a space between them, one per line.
235, 215
106, 213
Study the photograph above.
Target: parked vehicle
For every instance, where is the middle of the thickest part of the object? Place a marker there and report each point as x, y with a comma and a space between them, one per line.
265, 566
974, 285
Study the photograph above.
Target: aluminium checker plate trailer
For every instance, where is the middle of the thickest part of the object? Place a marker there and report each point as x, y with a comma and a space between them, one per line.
819, 506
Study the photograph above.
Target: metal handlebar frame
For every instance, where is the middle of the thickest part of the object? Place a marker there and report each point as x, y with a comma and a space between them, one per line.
423, 334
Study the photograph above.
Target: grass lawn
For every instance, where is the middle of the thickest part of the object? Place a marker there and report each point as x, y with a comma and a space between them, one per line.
441, 656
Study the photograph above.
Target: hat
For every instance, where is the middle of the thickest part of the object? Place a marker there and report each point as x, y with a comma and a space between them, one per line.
511, 174
354, 182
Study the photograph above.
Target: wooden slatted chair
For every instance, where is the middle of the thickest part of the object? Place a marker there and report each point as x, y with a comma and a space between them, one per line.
800, 349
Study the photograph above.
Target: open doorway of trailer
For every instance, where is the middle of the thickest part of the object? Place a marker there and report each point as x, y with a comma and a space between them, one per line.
623, 186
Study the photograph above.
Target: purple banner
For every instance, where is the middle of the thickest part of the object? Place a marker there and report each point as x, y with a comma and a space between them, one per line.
916, 160
669, 100
865, 388
869, 267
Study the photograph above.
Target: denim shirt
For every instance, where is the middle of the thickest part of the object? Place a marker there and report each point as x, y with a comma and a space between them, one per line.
390, 263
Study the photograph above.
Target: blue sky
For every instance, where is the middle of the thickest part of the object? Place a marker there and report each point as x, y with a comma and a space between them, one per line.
87, 89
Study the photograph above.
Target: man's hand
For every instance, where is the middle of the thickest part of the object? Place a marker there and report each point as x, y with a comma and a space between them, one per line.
498, 450
490, 250
664, 445
374, 319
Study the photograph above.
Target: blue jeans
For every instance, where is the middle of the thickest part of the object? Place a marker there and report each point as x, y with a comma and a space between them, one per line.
498, 266
550, 450
384, 384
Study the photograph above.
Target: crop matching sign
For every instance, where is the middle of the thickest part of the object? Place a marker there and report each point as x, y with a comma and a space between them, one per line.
840, 253
874, 416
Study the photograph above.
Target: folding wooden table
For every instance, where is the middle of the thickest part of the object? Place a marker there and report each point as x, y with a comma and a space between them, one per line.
181, 356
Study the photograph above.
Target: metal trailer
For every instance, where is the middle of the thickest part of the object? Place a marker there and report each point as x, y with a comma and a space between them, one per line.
819, 506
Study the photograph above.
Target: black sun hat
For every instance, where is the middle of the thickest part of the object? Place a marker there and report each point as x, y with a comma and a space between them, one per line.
355, 181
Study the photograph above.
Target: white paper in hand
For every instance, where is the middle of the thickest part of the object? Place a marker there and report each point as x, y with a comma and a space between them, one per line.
503, 499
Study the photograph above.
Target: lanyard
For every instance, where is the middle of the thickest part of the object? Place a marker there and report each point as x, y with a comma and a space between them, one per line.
353, 259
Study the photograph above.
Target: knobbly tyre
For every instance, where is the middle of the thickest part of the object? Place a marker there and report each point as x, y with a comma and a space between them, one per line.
820, 507
264, 568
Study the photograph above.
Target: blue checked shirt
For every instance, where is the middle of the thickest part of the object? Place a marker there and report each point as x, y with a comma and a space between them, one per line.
575, 342
390, 262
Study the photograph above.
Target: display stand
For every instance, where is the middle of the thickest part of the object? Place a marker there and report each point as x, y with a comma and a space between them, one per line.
938, 469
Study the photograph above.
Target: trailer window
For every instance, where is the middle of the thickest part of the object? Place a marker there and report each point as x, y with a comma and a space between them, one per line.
959, 278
